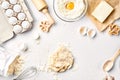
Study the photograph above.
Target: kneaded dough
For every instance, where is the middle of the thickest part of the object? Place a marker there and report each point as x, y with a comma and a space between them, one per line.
61, 60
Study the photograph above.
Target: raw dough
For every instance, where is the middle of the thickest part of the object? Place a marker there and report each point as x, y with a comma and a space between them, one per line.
61, 60
16, 66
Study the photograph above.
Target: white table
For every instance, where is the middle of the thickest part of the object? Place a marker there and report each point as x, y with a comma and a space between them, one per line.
89, 54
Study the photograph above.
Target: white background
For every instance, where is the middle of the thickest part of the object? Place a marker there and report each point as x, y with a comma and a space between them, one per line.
89, 54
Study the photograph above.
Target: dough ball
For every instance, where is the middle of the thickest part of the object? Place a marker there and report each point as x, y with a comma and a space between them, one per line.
61, 60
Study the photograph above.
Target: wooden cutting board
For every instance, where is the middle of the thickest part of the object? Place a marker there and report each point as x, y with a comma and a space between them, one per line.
114, 15
6, 31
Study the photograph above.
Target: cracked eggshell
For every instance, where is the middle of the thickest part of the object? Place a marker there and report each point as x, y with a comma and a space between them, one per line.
83, 31
91, 33
5, 4
17, 8
21, 16
13, 1
17, 29
9, 12
12, 20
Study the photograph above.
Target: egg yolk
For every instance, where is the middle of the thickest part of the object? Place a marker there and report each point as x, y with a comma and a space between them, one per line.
70, 6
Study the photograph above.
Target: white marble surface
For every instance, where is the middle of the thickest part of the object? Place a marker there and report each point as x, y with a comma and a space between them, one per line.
89, 54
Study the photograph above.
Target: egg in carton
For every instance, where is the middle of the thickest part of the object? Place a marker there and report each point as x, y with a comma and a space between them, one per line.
18, 15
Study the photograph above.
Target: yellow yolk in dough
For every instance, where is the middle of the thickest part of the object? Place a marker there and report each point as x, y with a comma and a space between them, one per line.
70, 5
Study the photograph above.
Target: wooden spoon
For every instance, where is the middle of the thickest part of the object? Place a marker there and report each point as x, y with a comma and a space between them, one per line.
108, 65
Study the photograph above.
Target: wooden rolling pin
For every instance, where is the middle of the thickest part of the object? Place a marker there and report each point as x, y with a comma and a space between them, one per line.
42, 7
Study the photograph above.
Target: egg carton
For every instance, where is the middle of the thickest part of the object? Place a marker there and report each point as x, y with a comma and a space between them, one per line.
17, 15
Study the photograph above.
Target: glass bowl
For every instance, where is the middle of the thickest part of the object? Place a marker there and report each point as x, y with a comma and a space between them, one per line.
62, 17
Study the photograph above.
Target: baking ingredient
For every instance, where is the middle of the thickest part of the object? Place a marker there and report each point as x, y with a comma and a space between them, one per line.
70, 5
12, 20
11, 62
21, 16
13, 1
17, 29
25, 24
9, 12
5, 4
83, 31
110, 19
108, 65
17, 13
91, 33
17, 8
61, 60
69, 9
102, 11
16, 66
114, 29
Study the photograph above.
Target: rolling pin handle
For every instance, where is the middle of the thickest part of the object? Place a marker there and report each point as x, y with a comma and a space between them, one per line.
46, 12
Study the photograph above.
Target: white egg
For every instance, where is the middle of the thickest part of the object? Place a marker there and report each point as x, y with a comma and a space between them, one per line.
13, 1
9, 12
12, 20
5, 5
26, 25
21, 16
17, 8
17, 29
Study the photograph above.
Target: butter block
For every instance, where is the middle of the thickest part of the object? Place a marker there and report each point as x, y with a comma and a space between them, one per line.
102, 11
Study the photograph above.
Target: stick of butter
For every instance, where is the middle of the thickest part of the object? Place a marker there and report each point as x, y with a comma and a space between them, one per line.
102, 11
